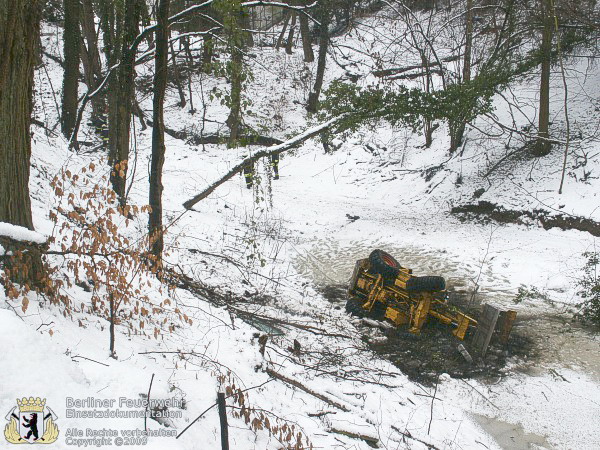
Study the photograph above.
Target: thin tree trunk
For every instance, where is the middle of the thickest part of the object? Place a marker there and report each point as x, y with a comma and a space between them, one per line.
290, 40
155, 229
111, 328
71, 65
542, 146
247, 24
177, 76
309, 55
325, 16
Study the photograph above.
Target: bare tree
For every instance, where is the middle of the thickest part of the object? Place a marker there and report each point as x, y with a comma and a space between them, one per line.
90, 58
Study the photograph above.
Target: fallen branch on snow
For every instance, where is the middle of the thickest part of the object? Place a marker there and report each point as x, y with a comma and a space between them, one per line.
300, 386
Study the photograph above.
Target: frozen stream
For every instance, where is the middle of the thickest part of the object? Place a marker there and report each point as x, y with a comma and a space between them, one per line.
556, 339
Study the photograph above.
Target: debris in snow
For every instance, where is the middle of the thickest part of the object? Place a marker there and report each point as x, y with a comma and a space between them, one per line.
463, 351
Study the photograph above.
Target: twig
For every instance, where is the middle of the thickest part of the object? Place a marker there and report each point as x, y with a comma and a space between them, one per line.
437, 382
89, 359
487, 251
484, 397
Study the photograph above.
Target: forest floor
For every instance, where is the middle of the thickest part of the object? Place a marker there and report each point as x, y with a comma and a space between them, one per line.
281, 255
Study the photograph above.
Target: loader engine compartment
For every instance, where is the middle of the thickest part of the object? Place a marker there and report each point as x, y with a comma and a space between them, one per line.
425, 329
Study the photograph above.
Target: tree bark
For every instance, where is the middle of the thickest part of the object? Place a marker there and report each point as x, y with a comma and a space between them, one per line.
71, 44
19, 33
325, 16
155, 228
542, 146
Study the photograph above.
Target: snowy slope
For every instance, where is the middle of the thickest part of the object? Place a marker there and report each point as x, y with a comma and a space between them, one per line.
298, 227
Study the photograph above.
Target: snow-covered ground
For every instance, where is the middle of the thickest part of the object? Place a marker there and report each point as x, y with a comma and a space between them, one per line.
279, 245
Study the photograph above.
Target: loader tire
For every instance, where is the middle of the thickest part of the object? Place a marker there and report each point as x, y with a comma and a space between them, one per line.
428, 284
354, 307
384, 264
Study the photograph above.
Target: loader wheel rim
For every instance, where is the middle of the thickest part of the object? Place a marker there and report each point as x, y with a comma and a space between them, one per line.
390, 261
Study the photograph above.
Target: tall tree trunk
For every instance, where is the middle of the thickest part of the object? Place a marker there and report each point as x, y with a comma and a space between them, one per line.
309, 55
124, 90
325, 17
90, 56
236, 45
542, 146
19, 33
158, 132
457, 129
71, 75
290, 40
207, 53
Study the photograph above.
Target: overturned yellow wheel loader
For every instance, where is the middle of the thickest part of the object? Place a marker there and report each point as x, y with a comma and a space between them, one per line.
382, 289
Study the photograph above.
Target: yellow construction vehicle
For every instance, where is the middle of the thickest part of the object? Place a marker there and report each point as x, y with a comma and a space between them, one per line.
382, 289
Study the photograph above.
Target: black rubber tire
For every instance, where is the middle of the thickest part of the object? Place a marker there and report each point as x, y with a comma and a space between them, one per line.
354, 307
428, 284
384, 264
378, 311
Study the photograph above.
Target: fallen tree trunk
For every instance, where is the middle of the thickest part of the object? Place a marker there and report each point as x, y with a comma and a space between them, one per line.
262, 153
371, 440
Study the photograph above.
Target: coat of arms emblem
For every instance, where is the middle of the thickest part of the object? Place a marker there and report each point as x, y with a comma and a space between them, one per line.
33, 424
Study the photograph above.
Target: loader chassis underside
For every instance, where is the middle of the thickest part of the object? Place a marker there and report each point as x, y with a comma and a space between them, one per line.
397, 300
